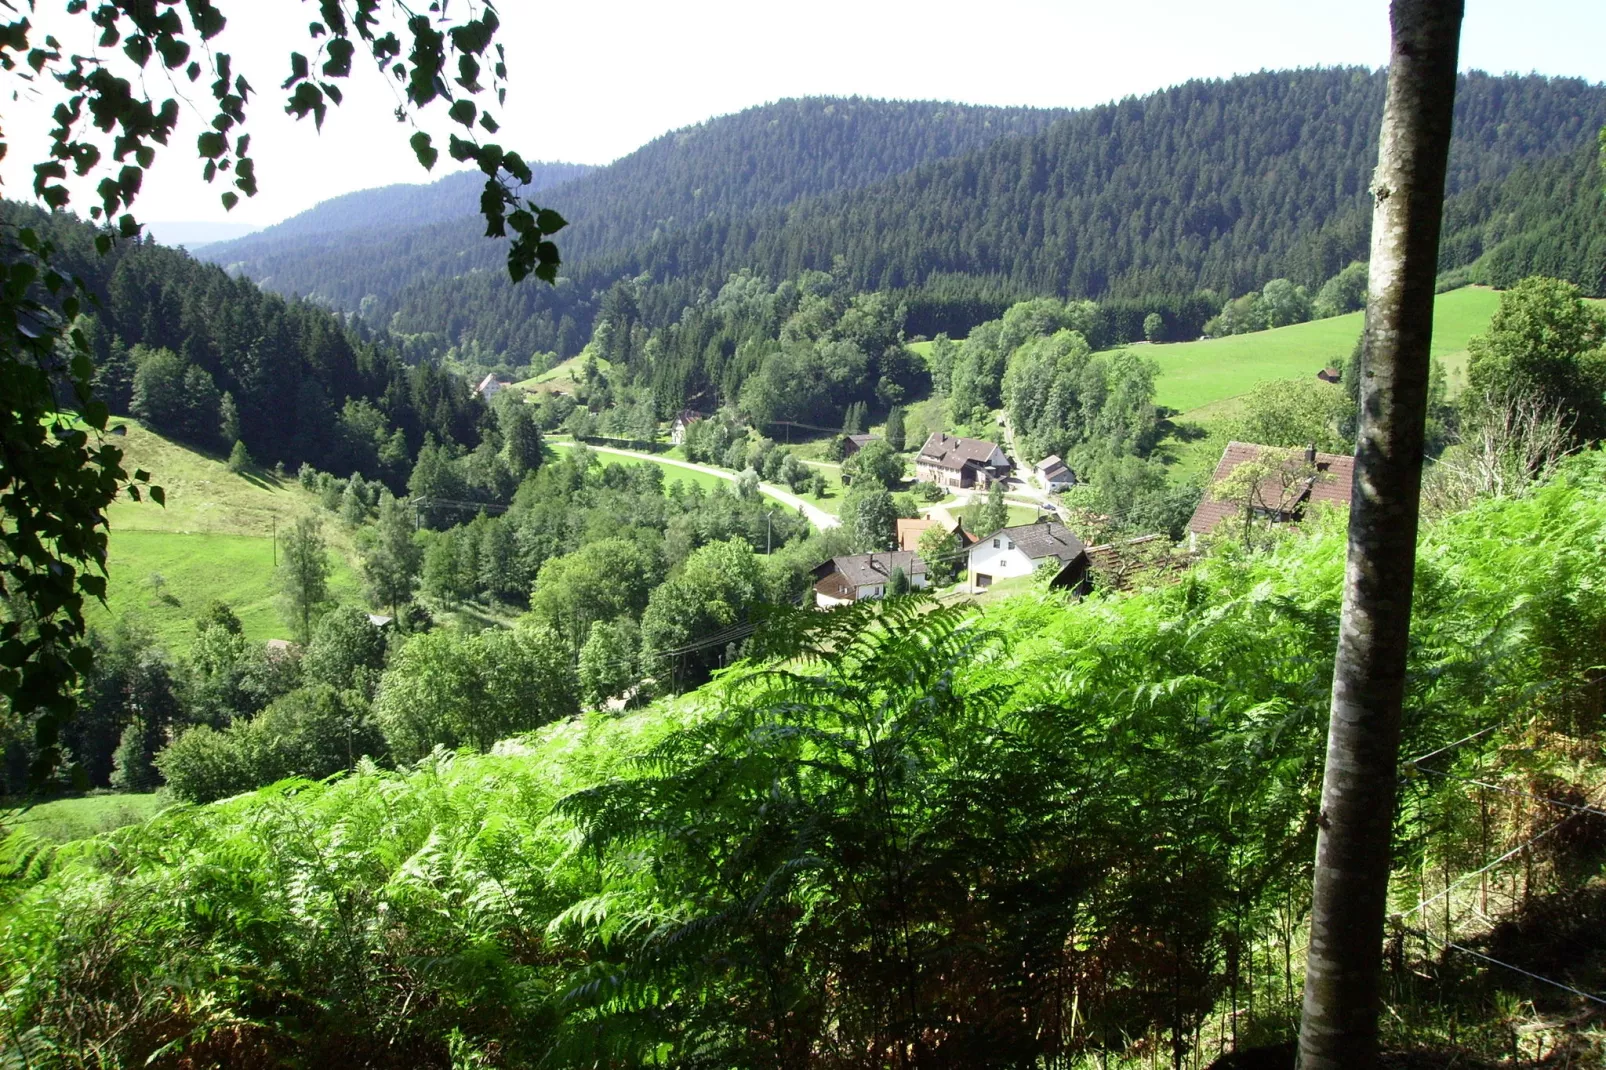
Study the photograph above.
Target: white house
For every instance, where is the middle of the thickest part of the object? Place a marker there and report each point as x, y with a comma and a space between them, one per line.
492, 385
847, 579
683, 419
1054, 474
1018, 551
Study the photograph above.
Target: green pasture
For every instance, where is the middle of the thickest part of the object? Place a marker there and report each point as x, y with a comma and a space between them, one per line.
64, 820
1197, 375
672, 472
165, 579
214, 538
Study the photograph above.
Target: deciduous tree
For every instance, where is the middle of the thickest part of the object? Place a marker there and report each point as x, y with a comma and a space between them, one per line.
1339, 1025
303, 576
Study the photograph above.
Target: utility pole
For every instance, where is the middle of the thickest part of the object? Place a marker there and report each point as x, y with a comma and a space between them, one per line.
768, 527
275, 542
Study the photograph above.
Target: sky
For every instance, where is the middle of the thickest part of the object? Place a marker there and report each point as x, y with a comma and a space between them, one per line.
591, 81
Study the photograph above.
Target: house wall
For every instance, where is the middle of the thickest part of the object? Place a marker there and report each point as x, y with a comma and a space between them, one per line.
1003, 562
943, 477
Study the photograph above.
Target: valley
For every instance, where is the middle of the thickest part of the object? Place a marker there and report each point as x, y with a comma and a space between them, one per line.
889, 596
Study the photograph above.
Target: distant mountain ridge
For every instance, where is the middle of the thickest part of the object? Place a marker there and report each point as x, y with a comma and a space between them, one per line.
1210, 185
383, 211
764, 157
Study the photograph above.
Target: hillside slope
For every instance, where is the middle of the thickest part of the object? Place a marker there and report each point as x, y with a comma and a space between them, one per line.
764, 157
215, 538
1210, 185
1194, 375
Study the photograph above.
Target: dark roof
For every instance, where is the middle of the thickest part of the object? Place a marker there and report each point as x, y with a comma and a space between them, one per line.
1332, 483
862, 569
686, 416
1045, 540
862, 441
949, 451
1051, 467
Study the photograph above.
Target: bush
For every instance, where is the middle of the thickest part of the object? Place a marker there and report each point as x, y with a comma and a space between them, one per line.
928, 492
312, 732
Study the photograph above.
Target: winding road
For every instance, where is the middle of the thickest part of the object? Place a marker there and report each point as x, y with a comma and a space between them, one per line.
816, 516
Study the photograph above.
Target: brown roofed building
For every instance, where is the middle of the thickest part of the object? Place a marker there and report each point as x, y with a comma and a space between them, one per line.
852, 444
847, 579
950, 461
910, 530
681, 423
1314, 477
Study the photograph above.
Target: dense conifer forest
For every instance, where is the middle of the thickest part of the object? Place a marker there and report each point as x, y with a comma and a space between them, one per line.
1210, 186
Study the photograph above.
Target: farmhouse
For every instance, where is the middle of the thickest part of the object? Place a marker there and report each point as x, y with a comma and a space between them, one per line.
1307, 478
852, 444
1020, 550
950, 461
492, 385
1054, 473
1329, 375
683, 419
847, 579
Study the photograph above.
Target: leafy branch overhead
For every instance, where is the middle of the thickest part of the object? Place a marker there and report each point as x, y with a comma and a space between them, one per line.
436, 60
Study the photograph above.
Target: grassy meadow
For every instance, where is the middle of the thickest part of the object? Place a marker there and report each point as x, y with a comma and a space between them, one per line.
64, 820
1196, 377
560, 378
213, 539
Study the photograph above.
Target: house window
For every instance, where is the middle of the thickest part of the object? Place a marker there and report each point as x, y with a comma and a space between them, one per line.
995, 544
1011, 546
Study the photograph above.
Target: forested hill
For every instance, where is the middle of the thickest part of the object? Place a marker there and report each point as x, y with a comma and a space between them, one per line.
211, 360
375, 215
763, 157
1210, 185
1218, 185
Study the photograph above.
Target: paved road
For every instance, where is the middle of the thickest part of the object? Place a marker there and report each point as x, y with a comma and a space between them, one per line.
816, 516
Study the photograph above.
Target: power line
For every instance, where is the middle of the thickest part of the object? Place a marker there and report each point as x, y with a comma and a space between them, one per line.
1506, 965
1452, 746
1576, 807
1479, 872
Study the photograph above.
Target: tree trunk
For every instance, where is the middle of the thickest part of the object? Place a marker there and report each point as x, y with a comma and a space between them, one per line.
1339, 1025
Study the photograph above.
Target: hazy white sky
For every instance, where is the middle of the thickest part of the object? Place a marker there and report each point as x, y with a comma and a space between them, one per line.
593, 80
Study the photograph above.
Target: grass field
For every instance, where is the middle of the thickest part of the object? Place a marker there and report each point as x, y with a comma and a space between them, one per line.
1195, 376
76, 819
672, 473
213, 539
558, 378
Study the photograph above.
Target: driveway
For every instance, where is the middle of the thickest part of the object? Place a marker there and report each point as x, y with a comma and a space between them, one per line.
816, 516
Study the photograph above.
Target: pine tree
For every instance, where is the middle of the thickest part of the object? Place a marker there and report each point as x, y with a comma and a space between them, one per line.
391, 566
239, 457
229, 418
895, 430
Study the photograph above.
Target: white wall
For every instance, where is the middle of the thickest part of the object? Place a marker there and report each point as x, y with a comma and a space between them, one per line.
1001, 563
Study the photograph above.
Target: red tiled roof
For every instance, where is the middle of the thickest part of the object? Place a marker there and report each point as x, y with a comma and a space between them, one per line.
1333, 483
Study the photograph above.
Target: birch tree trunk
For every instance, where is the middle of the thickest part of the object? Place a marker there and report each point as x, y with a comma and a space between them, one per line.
1339, 1025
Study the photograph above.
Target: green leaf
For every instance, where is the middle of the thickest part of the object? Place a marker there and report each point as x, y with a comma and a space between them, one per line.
211, 145
426, 153
298, 70
158, 496
463, 112
549, 221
